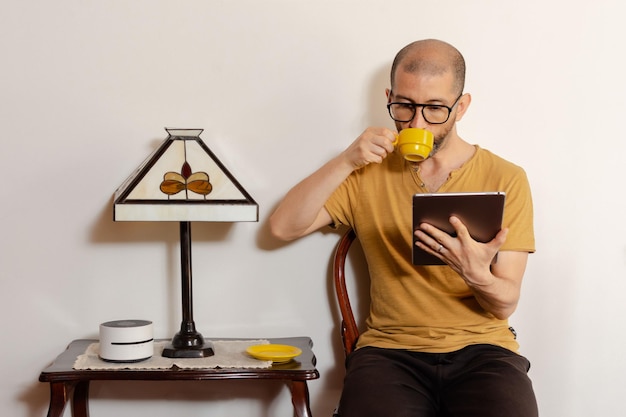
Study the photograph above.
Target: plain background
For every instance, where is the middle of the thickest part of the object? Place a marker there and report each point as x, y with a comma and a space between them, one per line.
87, 88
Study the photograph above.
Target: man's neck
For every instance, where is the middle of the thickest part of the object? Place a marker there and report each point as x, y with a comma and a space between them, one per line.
434, 171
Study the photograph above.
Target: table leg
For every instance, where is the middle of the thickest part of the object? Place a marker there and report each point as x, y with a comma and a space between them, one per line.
58, 398
300, 398
80, 401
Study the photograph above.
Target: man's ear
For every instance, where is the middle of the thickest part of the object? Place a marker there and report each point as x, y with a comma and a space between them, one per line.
387, 93
462, 106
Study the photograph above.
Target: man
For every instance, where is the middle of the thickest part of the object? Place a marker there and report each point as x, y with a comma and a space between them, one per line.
437, 341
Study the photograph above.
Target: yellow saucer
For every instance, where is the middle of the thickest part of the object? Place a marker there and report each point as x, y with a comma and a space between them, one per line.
274, 353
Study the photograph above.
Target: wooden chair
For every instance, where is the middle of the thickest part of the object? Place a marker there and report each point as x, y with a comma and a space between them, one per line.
349, 328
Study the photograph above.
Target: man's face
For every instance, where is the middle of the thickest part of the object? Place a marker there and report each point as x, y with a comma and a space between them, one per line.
426, 89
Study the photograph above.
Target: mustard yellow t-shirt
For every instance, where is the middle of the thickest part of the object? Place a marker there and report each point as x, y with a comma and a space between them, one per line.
426, 308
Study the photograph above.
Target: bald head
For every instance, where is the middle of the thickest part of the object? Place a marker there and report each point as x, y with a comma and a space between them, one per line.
430, 57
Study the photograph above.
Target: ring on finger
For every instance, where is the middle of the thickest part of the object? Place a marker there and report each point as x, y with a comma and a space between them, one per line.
440, 248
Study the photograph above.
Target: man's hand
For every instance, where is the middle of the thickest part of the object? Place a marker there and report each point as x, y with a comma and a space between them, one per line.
496, 286
374, 145
469, 258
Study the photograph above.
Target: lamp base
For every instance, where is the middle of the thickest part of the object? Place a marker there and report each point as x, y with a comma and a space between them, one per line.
203, 351
188, 343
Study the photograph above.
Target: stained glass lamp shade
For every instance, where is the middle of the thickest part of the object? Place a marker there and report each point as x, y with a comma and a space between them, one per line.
183, 181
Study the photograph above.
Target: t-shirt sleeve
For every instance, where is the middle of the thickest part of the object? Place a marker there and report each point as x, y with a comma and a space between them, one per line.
518, 215
343, 202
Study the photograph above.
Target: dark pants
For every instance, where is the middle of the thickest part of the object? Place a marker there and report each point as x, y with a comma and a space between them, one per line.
477, 381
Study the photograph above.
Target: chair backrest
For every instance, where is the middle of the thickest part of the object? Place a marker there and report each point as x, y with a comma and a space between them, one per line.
349, 329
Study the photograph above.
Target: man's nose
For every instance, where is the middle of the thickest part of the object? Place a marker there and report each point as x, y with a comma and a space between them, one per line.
418, 120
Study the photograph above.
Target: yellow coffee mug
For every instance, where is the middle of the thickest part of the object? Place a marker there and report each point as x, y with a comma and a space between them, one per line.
414, 143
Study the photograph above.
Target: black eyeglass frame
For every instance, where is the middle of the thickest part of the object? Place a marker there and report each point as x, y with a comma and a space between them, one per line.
414, 106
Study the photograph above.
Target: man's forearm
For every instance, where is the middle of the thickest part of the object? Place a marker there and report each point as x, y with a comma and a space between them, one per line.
499, 298
301, 211
498, 291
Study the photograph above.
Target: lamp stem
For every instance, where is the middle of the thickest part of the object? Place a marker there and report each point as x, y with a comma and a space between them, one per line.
186, 281
187, 343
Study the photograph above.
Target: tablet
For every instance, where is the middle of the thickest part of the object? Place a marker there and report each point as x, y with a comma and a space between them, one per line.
481, 212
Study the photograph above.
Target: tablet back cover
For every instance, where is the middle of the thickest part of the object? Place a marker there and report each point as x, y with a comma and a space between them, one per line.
481, 212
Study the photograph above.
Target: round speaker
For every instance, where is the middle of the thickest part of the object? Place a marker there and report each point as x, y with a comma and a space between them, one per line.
126, 340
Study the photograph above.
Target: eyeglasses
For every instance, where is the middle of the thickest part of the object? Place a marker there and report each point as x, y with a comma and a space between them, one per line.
435, 114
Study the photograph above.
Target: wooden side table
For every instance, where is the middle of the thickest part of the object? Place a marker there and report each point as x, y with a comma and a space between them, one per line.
68, 384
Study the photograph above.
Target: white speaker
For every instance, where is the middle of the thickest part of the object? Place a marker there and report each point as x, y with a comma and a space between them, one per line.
126, 340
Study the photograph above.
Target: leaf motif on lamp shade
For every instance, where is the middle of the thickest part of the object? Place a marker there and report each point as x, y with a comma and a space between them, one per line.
197, 182
173, 183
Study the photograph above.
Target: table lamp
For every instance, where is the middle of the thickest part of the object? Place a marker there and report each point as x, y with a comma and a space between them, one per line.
183, 181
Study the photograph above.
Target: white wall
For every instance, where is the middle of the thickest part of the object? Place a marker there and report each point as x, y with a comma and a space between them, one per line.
279, 87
